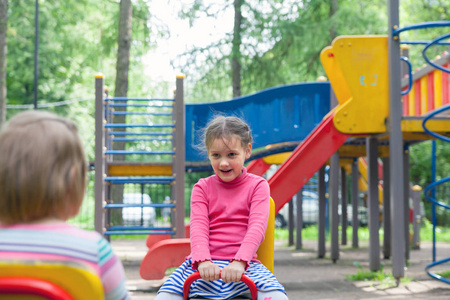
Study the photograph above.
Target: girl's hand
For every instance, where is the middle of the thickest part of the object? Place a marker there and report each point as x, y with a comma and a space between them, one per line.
233, 271
209, 270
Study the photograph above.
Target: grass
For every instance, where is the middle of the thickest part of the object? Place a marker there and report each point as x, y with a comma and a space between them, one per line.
445, 274
310, 233
384, 280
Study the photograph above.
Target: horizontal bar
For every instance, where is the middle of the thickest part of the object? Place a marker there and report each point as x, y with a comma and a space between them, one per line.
140, 169
139, 152
122, 227
137, 105
138, 99
140, 139
138, 133
422, 43
124, 125
422, 26
139, 179
146, 232
117, 113
122, 205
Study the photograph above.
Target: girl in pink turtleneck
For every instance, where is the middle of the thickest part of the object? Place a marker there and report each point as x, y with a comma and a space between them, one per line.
229, 213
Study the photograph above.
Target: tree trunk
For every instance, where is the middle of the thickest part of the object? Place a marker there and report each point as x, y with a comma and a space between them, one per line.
3, 51
333, 10
123, 53
123, 63
121, 90
236, 51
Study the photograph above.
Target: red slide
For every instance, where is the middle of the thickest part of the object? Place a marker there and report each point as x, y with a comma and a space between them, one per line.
258, 167
305, 160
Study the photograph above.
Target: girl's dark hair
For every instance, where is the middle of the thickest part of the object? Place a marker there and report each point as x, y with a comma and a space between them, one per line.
223, 127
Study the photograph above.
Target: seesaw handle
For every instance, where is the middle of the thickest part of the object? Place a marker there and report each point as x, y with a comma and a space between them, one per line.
193, 277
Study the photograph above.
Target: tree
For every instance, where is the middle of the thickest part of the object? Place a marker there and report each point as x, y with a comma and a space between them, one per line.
236, 51
280, 42
123, 62
123, 50
3, 51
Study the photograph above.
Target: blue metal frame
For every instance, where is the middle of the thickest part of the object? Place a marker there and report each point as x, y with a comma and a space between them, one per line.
410, 76
430, 189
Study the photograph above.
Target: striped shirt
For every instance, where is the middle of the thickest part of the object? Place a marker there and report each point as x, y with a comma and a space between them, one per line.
65, 242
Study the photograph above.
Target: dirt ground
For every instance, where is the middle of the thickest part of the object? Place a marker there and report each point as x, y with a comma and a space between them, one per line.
307, 277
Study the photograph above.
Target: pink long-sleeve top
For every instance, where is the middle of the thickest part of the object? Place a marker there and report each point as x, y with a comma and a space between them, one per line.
228, 219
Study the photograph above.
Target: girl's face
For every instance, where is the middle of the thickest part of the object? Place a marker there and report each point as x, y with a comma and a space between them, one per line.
227, 157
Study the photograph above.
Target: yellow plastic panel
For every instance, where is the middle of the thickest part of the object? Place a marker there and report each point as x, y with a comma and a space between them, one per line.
139, 170
362, 165
334, 74
441, 126
364, 64
267, 248
423, 95
437, 74
276, 159
78, 280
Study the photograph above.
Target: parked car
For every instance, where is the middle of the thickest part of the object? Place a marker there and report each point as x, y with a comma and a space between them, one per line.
310, 211
363, 216
138, 216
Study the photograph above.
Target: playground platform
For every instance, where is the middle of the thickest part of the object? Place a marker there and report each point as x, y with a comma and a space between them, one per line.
307, 277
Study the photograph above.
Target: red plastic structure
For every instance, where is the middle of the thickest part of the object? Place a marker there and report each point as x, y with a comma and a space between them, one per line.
187, 285
32, 287
163, 255
305, 160
258, 167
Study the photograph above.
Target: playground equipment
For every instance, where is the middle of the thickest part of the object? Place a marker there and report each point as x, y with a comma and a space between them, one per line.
187, 284
364, 72
116, 169
60, 280
433, 87
432, 198
170, 253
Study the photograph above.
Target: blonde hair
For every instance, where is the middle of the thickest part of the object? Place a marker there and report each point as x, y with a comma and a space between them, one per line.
42, 168
222, 127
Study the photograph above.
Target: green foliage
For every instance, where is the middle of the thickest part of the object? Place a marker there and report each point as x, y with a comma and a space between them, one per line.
445, 274
281, 43
420, 174
418, 11
310, 233
384, 280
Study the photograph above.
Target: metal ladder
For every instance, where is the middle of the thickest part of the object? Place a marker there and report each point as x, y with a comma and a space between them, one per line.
144, 124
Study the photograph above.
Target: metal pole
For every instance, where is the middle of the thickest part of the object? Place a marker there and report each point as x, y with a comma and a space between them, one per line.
374, 212
322, 206
334, 201
298, 239
406, 189
36, 54
395, 143
291, 222
386, 209
417, 219
344, 205
355, 202
433, 194
178, 166
99, 163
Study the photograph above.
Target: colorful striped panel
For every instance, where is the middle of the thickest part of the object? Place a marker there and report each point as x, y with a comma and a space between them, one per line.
417, 96
445, 87
430, 91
